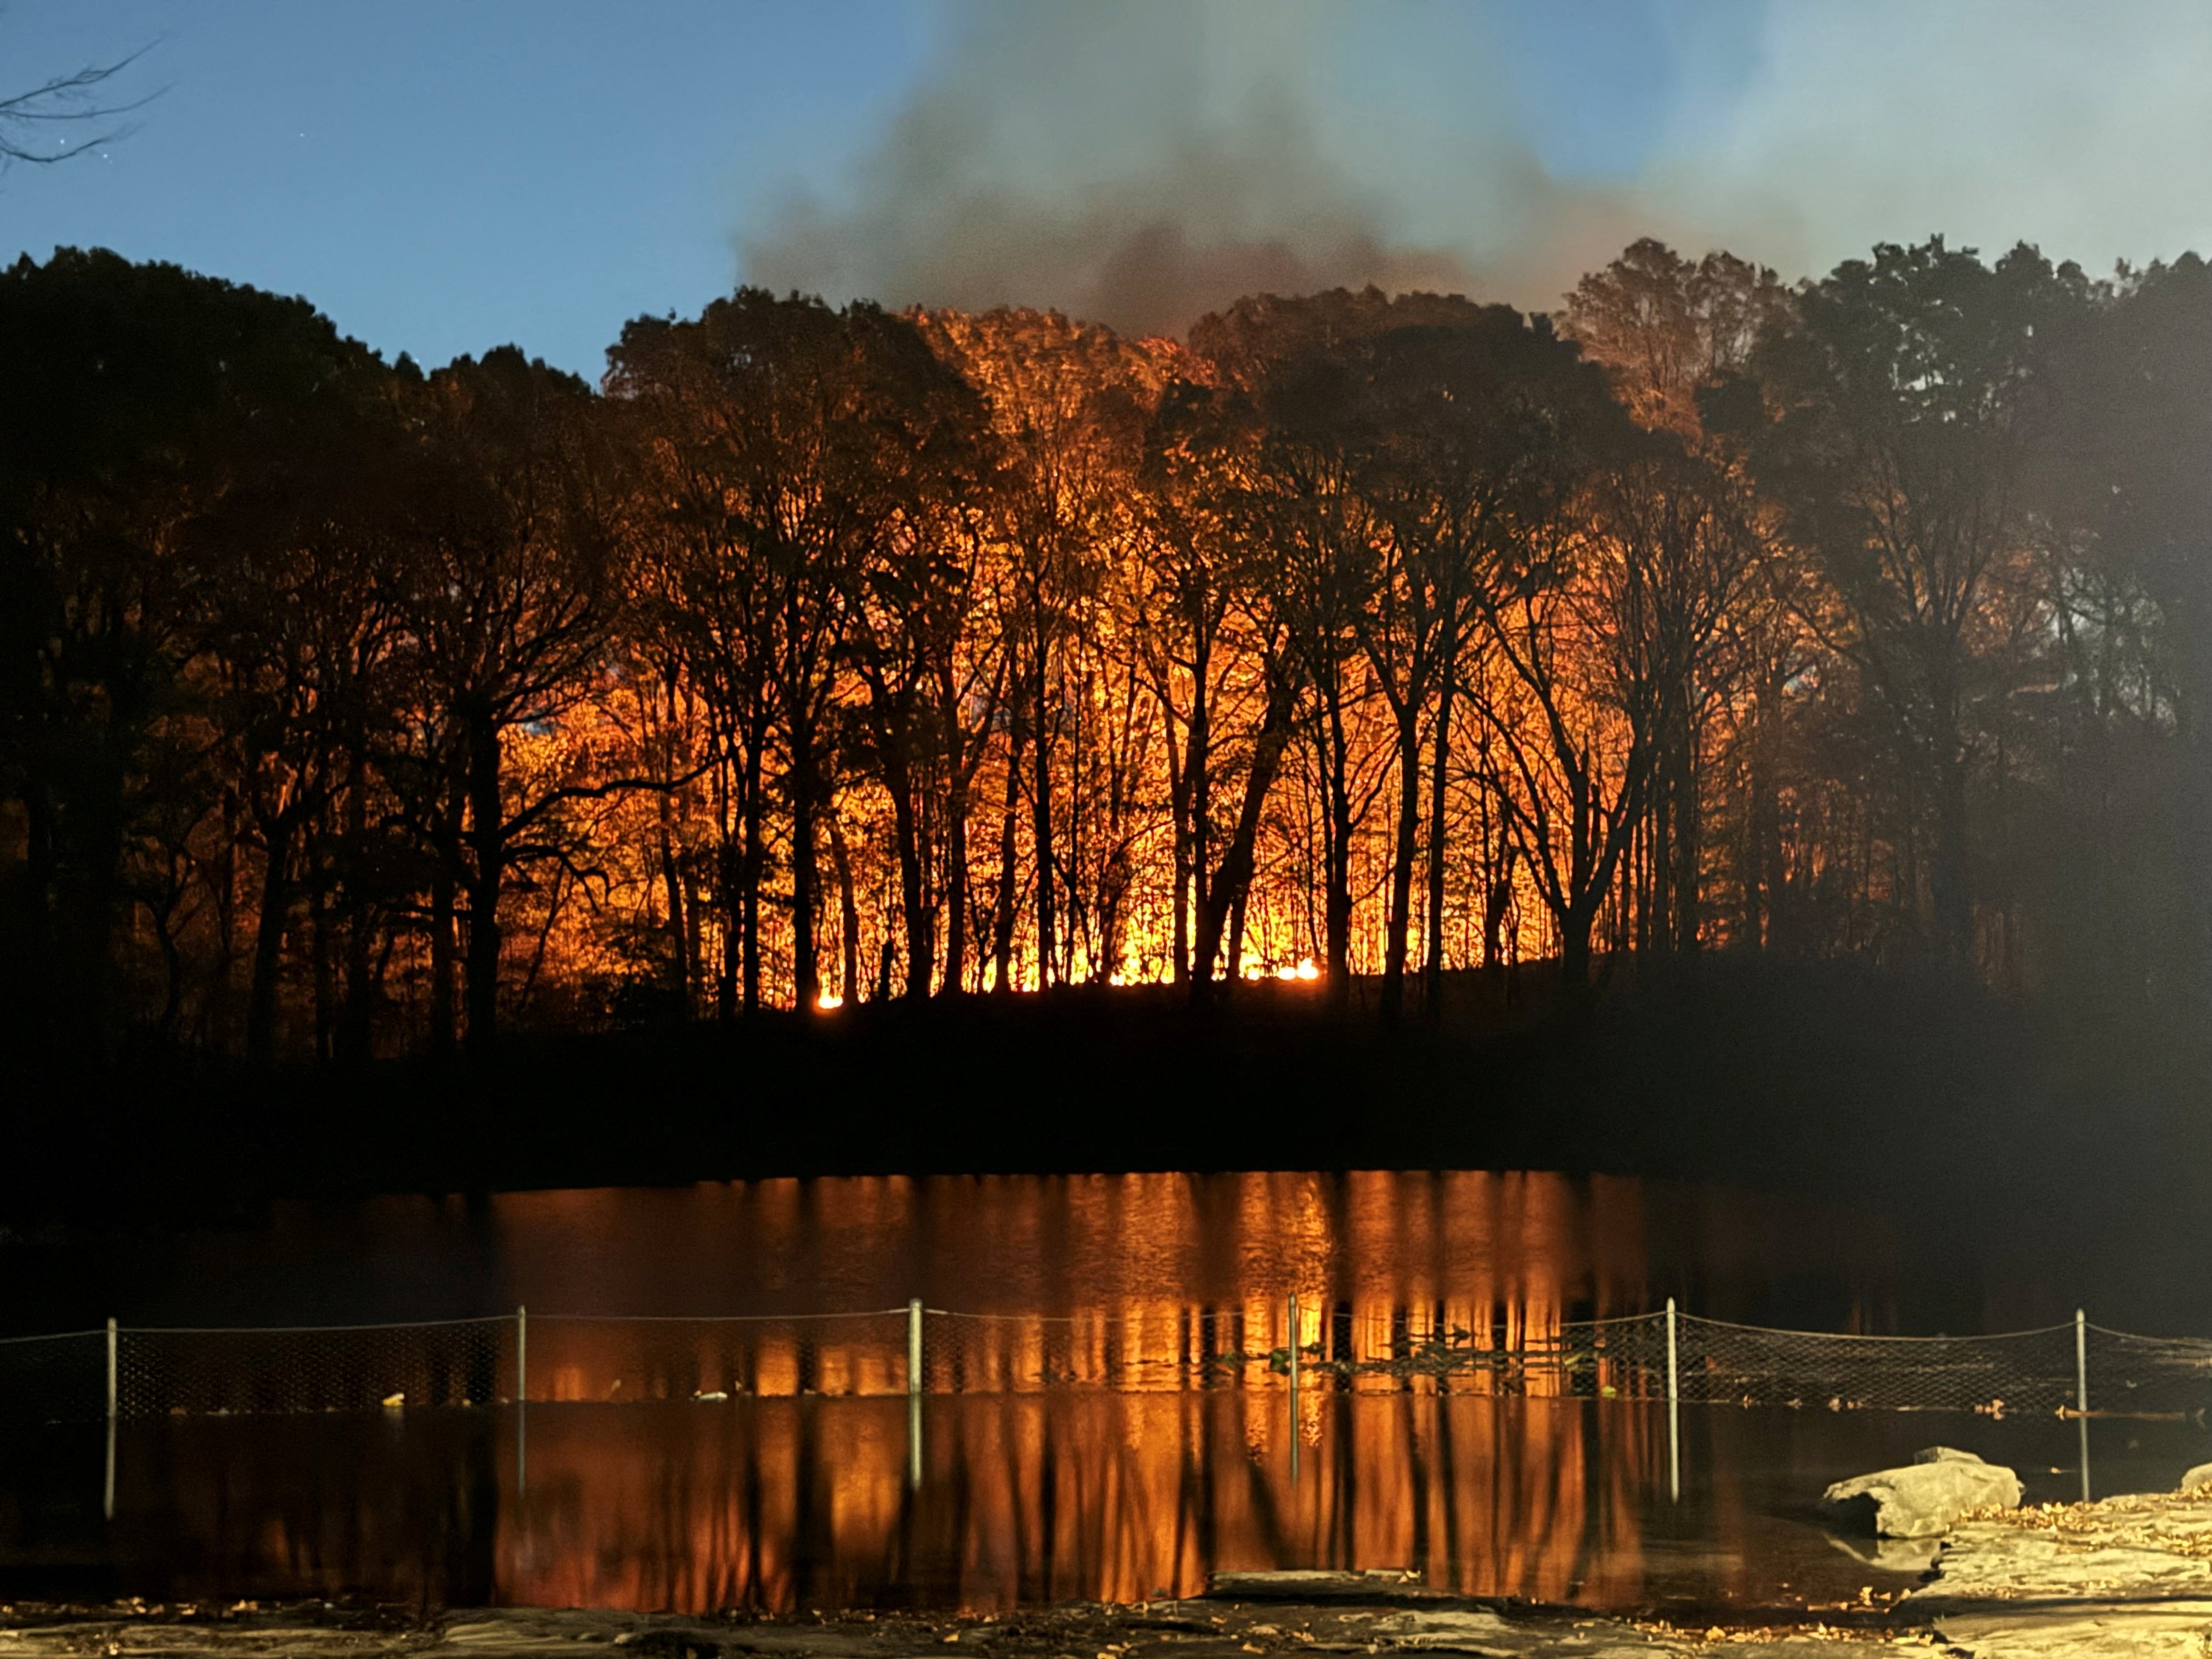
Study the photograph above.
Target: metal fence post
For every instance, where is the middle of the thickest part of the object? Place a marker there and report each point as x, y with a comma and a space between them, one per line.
107, 1490
2081, 1391
2081, 1361
1295, 1334
521, 1399
1673, 1409
914, 1316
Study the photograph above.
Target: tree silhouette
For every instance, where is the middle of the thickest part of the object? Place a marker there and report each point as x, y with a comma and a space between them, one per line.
510, 591
827, 654
1902, 397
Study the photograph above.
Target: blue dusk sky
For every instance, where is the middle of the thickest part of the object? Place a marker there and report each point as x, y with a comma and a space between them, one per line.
441, 176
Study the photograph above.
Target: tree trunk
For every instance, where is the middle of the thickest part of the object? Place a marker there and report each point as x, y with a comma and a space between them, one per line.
1041, 829
442, 948
1191, 781
1002, 913
1225, 892
88, 909
913, 896
956, 891
172, 975
730, 872
487, 873
356, 1032
1574, 923
1952, 891
223, 881
1762, 869
1689, 848
1497, 905
1337, 875
754, 858
672, 887
1198, 769
848, 915
1405, 844
1179, 812
1440, 754
806, 870
268, 939
320, 928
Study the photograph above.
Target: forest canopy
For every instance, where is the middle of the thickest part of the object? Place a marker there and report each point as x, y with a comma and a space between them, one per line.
824, 656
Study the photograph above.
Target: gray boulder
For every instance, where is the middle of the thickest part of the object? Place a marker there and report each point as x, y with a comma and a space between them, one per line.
1923, 1498
1944, 1455
2199, 1476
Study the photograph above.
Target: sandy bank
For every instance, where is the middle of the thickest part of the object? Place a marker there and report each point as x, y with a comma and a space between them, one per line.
2121, 1578
1399, 1622
2124, 1575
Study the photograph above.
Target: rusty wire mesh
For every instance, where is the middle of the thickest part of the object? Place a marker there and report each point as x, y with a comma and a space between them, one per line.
231, 1371
2149, 1375
1181, 1348
1723, 1364
61, 1378
615, 1358
573, 1357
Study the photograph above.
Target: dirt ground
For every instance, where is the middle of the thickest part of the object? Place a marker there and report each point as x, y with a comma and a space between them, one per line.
1316, 1616
2124, 1578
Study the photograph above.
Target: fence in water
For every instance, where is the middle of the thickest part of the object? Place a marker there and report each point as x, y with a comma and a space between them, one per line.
135, 1372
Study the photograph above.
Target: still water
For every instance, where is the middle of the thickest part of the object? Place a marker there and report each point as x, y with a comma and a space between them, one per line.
814, 1489
1539, 1246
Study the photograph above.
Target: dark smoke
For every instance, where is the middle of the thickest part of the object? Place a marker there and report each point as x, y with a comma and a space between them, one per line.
1143, 163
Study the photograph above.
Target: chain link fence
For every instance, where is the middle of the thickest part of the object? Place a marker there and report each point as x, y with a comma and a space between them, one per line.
2018, 1371
574, 1358
53, 1379
221, 1372
136, 1372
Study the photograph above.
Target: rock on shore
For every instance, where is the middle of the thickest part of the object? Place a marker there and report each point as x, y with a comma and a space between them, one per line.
1925, 1498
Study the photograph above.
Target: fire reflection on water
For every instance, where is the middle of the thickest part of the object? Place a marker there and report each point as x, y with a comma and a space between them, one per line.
1086, 1432
1128, 1281
1108, 1243
795, 1503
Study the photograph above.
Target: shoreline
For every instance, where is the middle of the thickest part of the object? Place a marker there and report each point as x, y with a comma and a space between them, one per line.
1392, 1619
2120, 1577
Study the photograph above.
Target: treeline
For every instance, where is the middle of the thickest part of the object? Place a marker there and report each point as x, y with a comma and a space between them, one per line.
823, 656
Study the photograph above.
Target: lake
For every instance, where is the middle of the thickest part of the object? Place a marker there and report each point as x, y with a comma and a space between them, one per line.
1084, 1443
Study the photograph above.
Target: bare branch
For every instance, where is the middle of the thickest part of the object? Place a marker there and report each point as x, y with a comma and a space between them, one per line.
67, 100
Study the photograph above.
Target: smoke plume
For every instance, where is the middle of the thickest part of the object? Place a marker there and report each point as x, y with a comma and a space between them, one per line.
1145, 161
